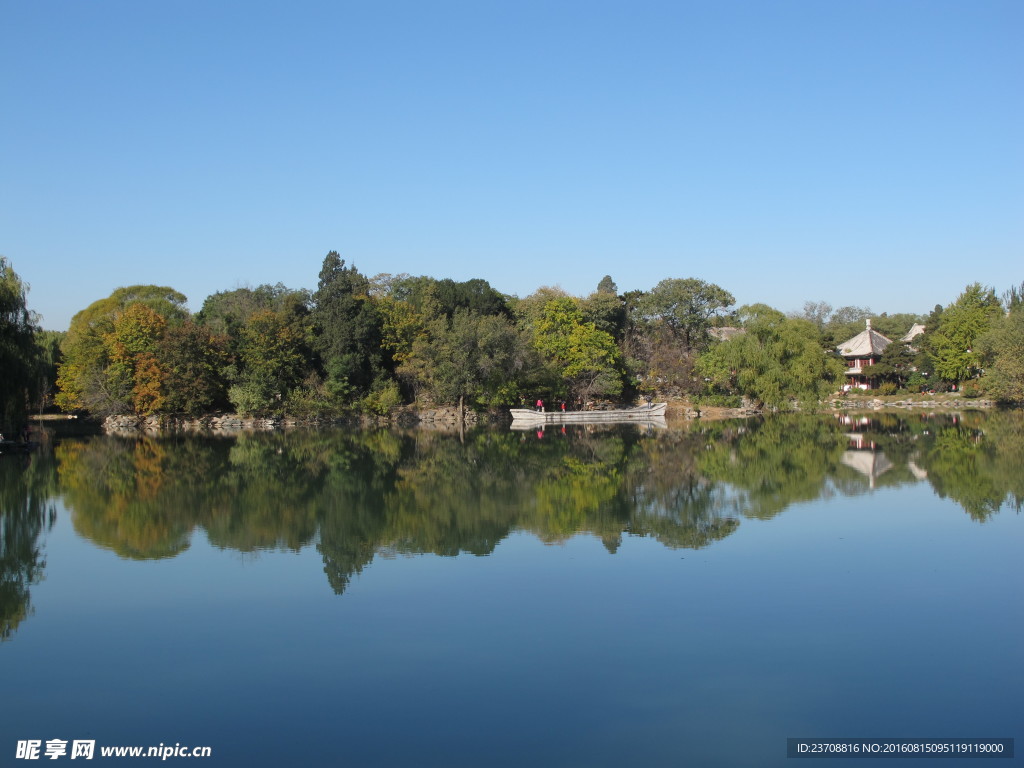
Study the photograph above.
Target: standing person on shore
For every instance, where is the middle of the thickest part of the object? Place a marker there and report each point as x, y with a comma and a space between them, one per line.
540, 405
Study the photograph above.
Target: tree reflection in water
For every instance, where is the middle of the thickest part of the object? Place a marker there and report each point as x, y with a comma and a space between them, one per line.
27, 491
355, 495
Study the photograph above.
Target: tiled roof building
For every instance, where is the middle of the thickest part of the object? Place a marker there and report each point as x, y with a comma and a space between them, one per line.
860, 353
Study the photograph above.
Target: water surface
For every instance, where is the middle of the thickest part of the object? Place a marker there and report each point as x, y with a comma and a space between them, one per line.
594, 596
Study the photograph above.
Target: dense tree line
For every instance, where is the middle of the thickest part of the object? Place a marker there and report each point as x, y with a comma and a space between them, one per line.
361, 343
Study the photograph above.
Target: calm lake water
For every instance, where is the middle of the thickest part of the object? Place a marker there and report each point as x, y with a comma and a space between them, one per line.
586, 597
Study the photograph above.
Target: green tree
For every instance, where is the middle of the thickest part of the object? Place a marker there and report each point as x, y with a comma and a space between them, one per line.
225, 313
586, 360
776, 361
348, 326
86, 378
953, 344
270, 363
528, 311
1003, 347
818, 312
475, 295
606, 310
257, 381
686, 308
417, 291
1013, 298
401, 325
193, 360
19, 355
665, 367
469, 357
896, 365
49, 362
667, 328
607, 285
134, 369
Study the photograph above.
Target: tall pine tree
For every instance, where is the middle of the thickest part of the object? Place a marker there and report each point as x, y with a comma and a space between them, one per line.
348, 326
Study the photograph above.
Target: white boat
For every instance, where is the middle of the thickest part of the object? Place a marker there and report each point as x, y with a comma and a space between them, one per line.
649, 412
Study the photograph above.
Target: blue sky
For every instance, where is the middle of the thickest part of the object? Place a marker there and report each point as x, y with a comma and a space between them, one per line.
865, 153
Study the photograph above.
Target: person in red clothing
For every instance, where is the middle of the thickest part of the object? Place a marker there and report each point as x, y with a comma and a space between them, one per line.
540, 404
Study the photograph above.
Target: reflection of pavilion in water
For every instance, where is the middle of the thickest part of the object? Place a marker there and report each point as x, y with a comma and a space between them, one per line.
854, 423
863, 454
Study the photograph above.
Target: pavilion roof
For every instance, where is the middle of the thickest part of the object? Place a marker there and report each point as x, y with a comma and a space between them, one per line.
867, 343
915, 330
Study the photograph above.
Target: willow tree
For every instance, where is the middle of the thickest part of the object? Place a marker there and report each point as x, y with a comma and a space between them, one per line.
18, 351
1003, 348
777, 361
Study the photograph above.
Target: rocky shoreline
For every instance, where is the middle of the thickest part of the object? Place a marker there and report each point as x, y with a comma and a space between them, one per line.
447, 419
229, 423
879, 404
838, 405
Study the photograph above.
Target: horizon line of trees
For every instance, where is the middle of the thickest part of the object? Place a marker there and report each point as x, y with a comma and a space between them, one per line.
373, 344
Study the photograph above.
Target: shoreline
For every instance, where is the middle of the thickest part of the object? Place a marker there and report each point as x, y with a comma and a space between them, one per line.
448, 419
844, 404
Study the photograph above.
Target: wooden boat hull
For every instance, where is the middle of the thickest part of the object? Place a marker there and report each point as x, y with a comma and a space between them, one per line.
643, 413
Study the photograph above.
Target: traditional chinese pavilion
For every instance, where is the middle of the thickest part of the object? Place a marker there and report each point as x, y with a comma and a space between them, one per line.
860, 353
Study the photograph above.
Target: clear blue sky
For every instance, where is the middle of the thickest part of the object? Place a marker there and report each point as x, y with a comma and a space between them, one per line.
868, 152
